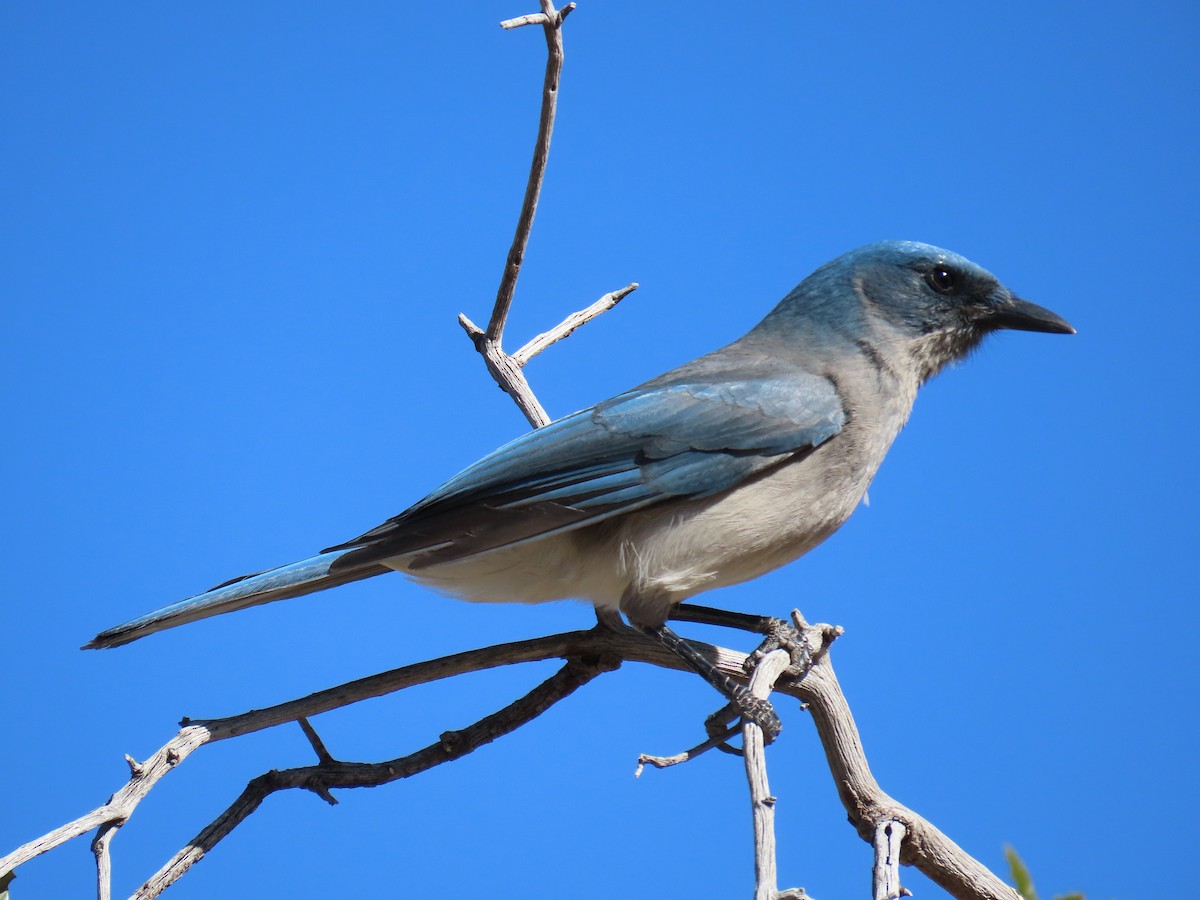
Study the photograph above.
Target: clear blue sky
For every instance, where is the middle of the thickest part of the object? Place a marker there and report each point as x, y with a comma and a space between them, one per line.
236, 237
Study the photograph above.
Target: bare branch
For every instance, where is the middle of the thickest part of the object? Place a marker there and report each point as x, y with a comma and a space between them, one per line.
330, 774
539, 18
599, 642
889, 838
122, 804
570, 323
594, 642
103, 860
866, 804
503, 369
724, 618
315, 739
926, 847
762, 802
665, 762
531, 19
537, 172
506, 369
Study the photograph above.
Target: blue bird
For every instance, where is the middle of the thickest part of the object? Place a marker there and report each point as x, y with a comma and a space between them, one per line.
714, 473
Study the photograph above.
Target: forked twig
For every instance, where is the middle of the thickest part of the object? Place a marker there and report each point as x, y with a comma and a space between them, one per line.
506, 368
330, 774
597, 645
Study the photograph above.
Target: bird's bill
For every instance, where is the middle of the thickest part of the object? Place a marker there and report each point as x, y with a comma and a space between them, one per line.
1021, 315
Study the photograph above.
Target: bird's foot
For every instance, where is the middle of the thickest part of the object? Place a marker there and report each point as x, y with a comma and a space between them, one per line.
761, 712
742, 702
749, 708
781, 635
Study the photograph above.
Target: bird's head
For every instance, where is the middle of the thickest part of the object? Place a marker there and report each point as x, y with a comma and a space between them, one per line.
931, 304
940, 302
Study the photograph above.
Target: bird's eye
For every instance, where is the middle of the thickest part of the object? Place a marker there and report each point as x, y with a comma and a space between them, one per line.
942, 279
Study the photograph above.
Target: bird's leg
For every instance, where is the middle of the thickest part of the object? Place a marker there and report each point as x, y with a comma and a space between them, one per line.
609, 618
761, 712
777, 633
723, 618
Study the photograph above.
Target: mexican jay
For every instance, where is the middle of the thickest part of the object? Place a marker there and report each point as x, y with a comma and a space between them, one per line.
711, 474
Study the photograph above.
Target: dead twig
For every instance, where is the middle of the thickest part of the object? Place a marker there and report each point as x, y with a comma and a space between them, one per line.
506, 368
100, 844
665, 762
762, 802
570, 323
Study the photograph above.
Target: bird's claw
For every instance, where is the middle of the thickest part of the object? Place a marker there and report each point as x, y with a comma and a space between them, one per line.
783, 635
762, 714
749, 708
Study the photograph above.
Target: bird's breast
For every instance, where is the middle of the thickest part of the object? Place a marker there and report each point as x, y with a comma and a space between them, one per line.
669, 554
761, 525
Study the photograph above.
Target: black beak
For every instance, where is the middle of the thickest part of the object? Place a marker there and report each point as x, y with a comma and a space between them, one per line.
1021, 315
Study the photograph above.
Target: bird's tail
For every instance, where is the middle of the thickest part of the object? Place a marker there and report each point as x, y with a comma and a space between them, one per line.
302, 577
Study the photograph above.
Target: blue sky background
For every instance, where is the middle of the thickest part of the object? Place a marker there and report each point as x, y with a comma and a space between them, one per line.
236, 237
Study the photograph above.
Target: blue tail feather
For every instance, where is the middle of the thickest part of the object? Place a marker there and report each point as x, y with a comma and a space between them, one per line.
282, 583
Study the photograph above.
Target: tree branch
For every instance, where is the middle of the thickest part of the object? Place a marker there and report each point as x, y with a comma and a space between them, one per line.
103, 838
551, 21
570, 323
868, 806
505, 368
762, 802
665, 762
330, 774
122, 804
597, 643
889, 838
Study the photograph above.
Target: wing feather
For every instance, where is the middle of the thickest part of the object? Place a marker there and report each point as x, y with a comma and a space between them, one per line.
663, 441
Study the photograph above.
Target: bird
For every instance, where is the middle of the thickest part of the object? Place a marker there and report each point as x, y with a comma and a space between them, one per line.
712, 474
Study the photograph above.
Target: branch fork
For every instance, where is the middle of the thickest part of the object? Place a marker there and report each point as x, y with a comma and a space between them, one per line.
506, 368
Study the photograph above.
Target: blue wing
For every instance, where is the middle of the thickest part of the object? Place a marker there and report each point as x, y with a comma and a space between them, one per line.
666, 440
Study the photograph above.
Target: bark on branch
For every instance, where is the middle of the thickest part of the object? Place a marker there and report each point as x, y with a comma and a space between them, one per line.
868, 807
329, 774
596, 650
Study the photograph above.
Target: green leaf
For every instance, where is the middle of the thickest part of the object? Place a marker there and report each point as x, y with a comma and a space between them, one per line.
1058, 897
1020, 875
